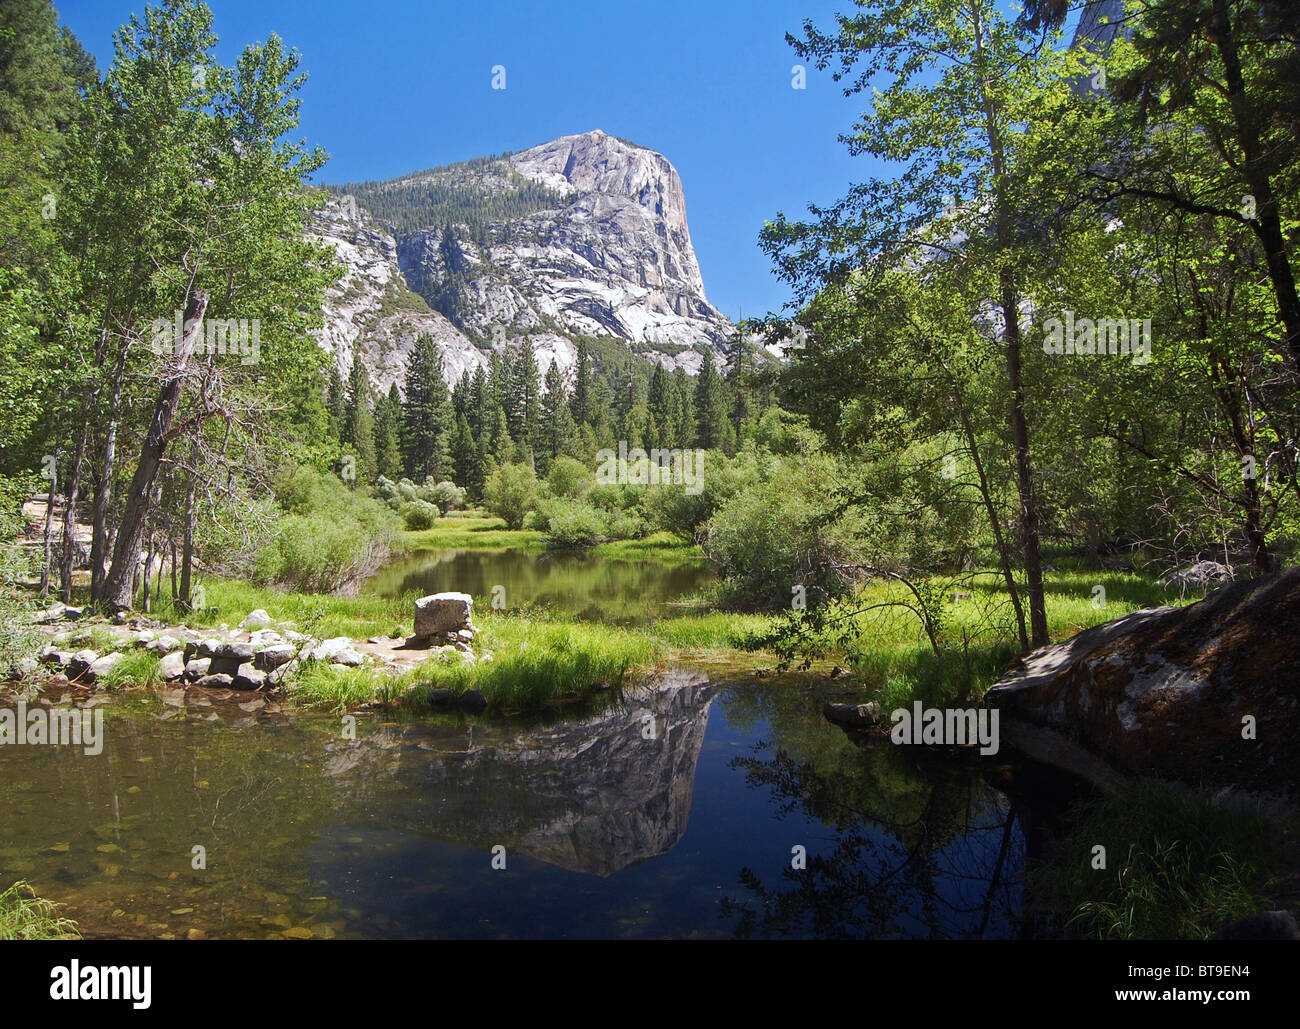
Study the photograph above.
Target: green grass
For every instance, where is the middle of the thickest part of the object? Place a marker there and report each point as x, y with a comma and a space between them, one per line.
228, 601
661, 547
1177, 867
472, 531
137, 668
886, 649
534, 665
25, 916
890, 655
100, 640
475, 532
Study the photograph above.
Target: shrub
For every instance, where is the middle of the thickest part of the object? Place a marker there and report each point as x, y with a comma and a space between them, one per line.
328, 537
419, 514
572, 524
781, 532
569, 478
511, 492
447, 495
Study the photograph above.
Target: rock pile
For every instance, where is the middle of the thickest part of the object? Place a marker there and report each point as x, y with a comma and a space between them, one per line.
259, 654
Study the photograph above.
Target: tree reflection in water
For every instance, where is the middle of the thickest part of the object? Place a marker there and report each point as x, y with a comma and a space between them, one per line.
935, 854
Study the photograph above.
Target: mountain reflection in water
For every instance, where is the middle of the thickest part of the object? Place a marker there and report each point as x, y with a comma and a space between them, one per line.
673, 811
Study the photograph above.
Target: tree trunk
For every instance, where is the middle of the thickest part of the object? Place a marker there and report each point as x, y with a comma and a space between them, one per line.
47, 562
1255, 173
187, 533
104, 488
1024, 472
70, 516
126, 548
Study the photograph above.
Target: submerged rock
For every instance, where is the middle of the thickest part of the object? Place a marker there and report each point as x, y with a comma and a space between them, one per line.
1208, 694
856, 716
1267, 925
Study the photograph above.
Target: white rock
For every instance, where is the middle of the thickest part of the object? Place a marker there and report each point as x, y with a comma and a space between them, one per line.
327, 649
258, 619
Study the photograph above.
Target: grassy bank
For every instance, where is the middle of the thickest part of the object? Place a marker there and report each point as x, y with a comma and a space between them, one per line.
25, 916
541, 657
534, 665
1176, 866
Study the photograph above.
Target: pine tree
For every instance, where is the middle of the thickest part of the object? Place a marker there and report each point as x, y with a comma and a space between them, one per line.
479, 398
683, 405
334, 403
465, 457
358, 423
740, 375
710, 407
388, 450
659, 411
580, 403
525, 395
426, 414
557, 422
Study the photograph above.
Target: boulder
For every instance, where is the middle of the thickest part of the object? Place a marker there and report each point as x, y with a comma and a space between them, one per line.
162, 645
233, 651
1208, 694
326, 650
443, 614
274, 656
249, 678
208, 647
258, 619
216, 682
104, 665
349, 658
473, 700
172, 666
23, 668
52, 655
1267, 925
855, 716
1203, 573
197, 668
81, 663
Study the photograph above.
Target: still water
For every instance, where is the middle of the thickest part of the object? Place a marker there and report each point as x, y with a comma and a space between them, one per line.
592, 588
677, 810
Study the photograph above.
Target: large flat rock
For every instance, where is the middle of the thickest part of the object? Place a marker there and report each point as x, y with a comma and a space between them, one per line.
1169, 692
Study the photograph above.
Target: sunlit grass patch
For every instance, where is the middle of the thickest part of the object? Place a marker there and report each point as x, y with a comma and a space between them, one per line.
136, 668
228, 601
535, 664
25, 916
474, 533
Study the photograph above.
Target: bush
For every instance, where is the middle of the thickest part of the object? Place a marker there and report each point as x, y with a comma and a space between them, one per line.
447, 495
511, 492
419, 514
328, 537
670, 507
572, 525
782, 532
569, 478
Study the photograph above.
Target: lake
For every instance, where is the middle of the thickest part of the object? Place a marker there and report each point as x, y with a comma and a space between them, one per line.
676, 811
589, 587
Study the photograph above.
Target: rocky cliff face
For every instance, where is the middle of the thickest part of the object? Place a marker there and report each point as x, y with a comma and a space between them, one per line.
582, 236
371, 310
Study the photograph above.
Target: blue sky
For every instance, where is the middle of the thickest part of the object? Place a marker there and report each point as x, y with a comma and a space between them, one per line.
398, 85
